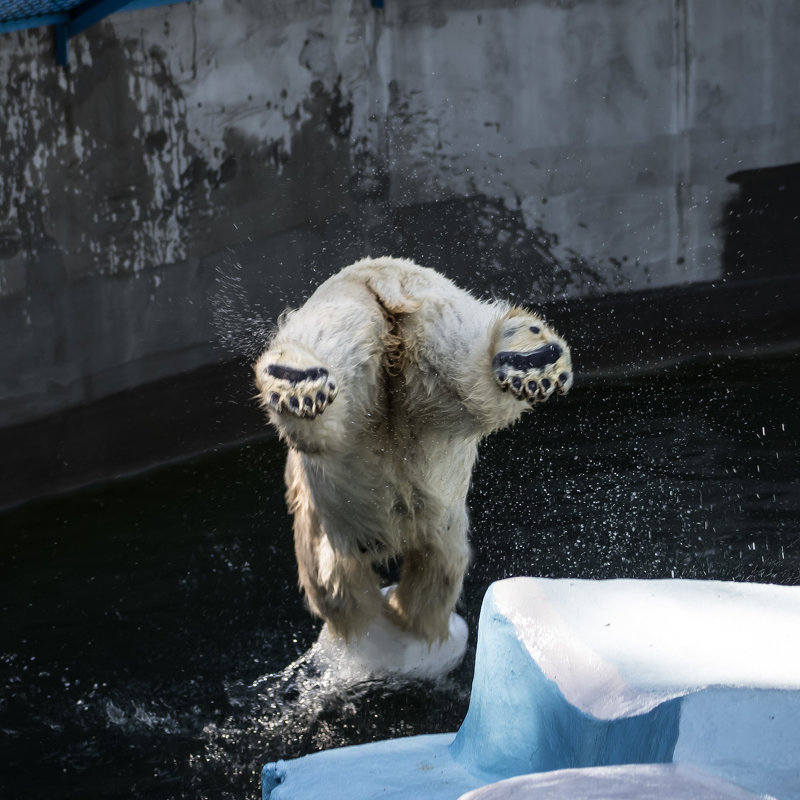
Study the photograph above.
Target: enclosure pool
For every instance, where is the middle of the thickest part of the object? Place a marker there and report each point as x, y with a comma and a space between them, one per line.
150, 624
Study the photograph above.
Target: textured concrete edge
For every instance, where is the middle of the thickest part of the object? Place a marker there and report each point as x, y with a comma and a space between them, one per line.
272, 775
402, 767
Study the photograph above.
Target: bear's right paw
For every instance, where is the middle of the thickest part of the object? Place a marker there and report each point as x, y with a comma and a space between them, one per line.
291, 380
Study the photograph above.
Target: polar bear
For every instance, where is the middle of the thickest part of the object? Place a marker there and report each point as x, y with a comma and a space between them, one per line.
382, 385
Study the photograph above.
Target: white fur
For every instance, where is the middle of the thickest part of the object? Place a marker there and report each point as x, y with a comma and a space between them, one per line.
383, 432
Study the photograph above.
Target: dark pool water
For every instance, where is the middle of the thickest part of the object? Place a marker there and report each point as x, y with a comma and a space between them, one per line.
150, 625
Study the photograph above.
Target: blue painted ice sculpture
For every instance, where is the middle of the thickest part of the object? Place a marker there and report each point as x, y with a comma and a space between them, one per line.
697, 680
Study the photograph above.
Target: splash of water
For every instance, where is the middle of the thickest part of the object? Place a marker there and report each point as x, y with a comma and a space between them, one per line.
311, 704
242, 326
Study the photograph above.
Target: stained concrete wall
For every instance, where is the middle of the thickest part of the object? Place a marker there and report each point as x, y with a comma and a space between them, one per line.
539, 149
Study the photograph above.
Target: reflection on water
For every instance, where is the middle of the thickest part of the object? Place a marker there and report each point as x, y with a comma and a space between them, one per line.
147, 624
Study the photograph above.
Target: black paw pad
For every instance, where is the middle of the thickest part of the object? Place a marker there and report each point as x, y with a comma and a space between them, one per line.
293, 375
536, 359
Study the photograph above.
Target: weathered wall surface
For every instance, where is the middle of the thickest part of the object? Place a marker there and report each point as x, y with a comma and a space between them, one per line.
536, 149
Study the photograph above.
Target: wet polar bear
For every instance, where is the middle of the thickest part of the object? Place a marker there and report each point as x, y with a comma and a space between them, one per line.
383, 384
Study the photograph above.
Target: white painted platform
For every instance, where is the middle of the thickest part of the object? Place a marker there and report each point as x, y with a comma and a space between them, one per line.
628, 782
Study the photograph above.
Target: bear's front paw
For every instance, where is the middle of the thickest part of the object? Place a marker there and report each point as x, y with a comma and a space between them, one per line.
532, 362
291, 380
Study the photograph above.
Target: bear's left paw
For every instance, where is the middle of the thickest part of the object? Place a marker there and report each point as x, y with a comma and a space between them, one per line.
534, 362
291, 380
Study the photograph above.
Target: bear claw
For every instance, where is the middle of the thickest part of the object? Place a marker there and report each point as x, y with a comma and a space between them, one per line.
535, 364
302, 392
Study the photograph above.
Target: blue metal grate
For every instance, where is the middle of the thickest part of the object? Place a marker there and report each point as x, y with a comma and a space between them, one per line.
22, 9
69, 17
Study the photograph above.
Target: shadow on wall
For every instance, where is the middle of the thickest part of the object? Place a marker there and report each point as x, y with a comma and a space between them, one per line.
480, 239
762, 223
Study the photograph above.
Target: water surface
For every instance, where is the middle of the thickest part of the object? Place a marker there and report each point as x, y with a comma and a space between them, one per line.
148, 622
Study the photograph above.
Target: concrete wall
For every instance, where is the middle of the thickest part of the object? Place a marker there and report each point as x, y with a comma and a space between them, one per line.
539, 149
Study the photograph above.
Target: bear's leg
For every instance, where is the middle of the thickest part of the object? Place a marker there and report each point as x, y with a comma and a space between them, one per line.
428, 589
529, 359
329, 349
292, 379
342, 589
512, 363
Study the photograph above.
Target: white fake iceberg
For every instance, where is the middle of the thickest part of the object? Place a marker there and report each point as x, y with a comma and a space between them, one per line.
589, 674
594, 673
